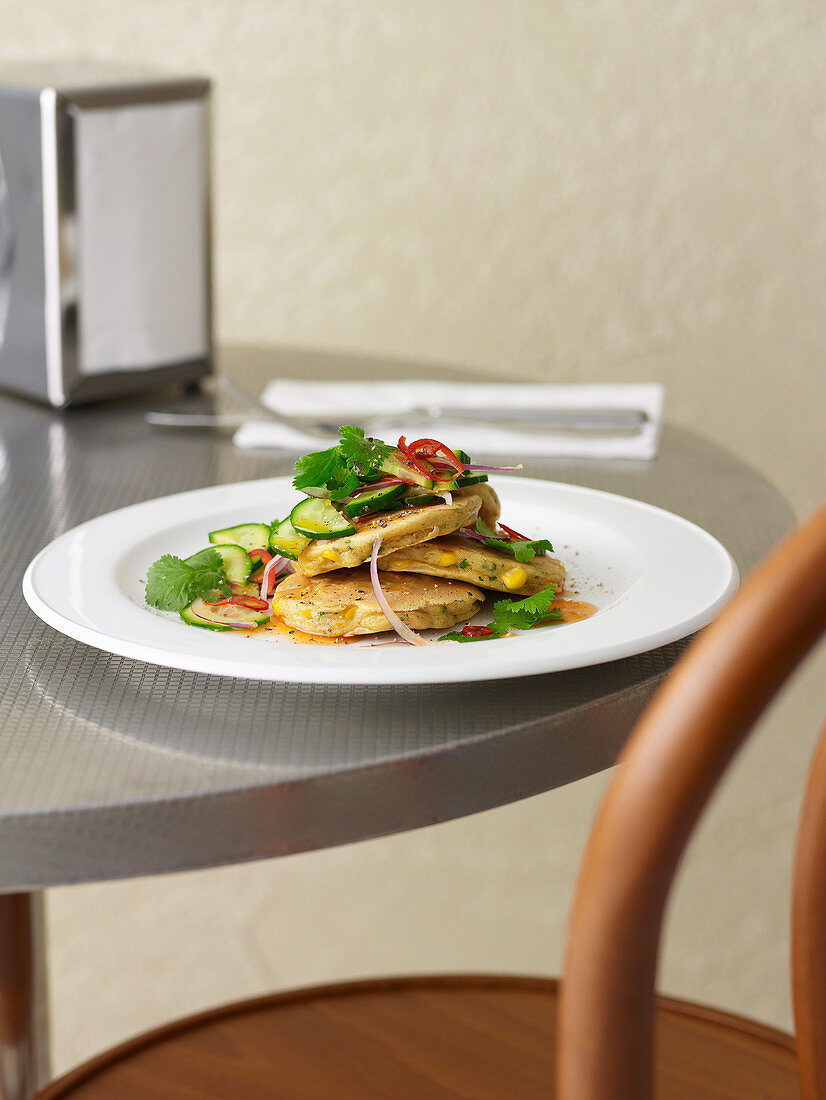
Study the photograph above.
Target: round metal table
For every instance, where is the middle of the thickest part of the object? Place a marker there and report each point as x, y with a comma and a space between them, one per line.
112, 768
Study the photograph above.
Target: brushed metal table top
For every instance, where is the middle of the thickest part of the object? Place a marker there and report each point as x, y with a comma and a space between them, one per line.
112, 768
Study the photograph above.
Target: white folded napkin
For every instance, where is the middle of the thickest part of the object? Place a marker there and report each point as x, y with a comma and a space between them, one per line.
351, 402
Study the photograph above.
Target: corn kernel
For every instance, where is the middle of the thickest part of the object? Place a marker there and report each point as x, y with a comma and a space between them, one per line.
447, 557
306, 612
350, 612
515, 578
331, 555
276, 607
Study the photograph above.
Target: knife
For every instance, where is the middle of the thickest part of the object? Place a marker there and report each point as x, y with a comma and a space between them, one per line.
594, 421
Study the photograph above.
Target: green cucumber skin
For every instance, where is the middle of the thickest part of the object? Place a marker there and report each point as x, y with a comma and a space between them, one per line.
237, 563
318, 519
425, 501
286, 541
249, 536
464, 480
391, 506
395, 466
193, 620
253, 618
379, 500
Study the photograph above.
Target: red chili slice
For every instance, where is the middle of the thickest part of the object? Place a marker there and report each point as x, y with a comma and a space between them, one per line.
477, 631
252, 602
425, 446
411, 459
431, 448
514, 534
263, 555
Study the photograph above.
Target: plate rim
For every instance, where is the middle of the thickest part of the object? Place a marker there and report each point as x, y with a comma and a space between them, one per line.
327, 673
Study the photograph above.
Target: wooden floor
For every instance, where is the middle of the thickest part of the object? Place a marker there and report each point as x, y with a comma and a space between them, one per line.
466, 1038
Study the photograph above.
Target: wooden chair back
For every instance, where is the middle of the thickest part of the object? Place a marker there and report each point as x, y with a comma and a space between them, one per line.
666, 775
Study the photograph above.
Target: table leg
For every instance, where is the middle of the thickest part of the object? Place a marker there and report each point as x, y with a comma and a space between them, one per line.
24, 1054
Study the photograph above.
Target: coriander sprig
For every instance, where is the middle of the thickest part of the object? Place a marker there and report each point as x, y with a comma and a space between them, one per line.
514, 615
523, 550
343, 468
172, 584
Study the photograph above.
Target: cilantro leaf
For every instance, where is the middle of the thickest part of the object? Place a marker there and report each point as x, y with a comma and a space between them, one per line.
364, 456
523, 614
349, 483
457, 636
515, 615
522, 549
526, 551
341, 469
319, 468
208, 560
172, 584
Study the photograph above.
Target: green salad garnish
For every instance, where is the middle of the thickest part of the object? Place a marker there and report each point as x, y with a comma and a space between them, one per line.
343, 468
172, 584
523, 550
511, 615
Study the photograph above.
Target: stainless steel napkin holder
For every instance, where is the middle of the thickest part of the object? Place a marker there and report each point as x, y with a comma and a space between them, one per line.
105, 274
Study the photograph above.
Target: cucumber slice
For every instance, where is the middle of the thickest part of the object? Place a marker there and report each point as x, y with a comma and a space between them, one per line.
376, 501
235, 560
250, 536
463, 481
395, 466
285, 540
318, 519
249, 589
225, 617
423, 501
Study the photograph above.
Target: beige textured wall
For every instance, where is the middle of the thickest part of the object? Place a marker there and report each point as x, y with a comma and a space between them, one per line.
601, 190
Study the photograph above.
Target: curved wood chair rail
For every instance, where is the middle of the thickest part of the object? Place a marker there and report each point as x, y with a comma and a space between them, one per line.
459, 1037
667, 773
495, 1037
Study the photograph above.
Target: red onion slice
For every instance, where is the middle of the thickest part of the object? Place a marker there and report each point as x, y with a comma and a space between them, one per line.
468, 532
386, 483
495, 469
197, 606
404, 631
272, 564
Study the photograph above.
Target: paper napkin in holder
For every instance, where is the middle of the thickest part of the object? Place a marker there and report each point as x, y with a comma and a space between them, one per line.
355, 402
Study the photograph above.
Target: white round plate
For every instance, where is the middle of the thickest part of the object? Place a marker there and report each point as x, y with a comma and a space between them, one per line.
654, 577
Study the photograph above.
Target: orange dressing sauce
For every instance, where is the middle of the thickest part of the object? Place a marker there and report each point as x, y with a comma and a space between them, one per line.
572, 611
300, 637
